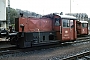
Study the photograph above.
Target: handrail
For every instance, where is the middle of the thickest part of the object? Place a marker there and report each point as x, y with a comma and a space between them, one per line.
60, 30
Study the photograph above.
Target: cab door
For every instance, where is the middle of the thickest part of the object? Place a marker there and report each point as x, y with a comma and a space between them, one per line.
66, 34
84, 29
72, 32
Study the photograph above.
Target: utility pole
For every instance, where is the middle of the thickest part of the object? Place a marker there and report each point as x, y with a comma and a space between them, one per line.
70, 6
8, 13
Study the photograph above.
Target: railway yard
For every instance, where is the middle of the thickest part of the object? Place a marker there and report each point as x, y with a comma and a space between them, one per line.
78, 50
52, 37
28, 35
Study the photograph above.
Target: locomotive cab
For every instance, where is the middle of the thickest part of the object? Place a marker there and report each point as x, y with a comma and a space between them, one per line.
66, 30
82, 27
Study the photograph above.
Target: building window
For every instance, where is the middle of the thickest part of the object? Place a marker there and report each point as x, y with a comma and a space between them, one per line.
0, 24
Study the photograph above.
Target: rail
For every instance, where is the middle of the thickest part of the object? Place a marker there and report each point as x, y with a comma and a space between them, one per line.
83, 55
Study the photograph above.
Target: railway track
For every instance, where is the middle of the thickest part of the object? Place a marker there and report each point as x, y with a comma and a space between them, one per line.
11, 50
79, 40
83, 37
79, 56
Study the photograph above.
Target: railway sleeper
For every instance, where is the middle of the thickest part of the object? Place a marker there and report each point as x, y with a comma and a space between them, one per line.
87, 57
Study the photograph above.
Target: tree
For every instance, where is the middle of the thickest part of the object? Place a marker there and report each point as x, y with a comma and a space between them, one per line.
13, 15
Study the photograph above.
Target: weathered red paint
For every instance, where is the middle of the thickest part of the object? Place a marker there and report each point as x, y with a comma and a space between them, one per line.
80, 29
46, 24
34, 24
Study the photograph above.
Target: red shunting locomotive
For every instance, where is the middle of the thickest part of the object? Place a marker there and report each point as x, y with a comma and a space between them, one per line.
52, 28
82, 28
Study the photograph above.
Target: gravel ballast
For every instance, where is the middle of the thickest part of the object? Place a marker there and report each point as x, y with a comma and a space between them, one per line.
49, 54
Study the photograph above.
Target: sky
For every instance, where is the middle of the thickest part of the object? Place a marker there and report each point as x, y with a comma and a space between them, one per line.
51, 6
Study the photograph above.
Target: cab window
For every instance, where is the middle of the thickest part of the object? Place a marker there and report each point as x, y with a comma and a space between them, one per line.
57, 21
84, 25
71, 24
66, 23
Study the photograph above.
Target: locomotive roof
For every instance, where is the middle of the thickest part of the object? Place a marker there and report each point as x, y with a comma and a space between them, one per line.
67, 16
83, 21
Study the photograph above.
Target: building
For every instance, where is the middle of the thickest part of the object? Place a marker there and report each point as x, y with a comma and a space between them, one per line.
79, 16
2, 13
